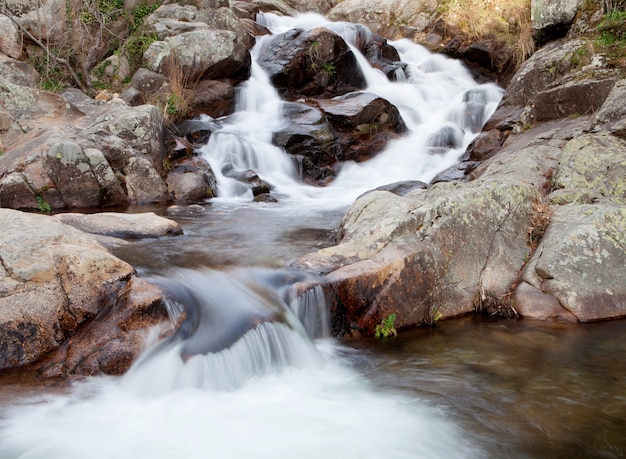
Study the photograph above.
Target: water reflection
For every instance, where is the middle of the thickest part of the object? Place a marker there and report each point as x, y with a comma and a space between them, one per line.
524, 389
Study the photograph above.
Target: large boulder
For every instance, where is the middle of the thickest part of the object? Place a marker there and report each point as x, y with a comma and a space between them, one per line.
65, 300
79, 152
432, 253
552, 18
315, 62
200, 54
578, 271
393, 19
364, 122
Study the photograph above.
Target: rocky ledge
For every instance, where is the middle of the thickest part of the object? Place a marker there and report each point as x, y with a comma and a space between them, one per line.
534, 227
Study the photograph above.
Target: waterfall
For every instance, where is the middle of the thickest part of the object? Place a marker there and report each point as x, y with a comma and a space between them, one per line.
237, 325
441, 104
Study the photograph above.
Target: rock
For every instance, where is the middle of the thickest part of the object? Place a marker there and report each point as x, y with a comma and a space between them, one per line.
551, 19
110, 344
592, 168
316, 62
113, 72
456, 244
308, 136
319, 6
201, 54
612, 115
277, 6
11, 43
53, 279
148, 82
546, 66
212, 97
192, 180
364, 123
580, 262
110, 154
576, 97
393, 19
120, 225
31, 109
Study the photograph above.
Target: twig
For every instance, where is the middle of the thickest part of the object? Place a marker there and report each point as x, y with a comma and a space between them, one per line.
57, 59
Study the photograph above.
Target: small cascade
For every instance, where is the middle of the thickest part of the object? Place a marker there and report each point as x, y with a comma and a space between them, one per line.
311, 308
243, 141
232, 327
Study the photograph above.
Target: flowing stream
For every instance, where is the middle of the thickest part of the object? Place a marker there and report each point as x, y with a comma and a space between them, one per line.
253, 373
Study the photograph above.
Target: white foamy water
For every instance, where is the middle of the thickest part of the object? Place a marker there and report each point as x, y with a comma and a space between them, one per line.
273, 394
433, 92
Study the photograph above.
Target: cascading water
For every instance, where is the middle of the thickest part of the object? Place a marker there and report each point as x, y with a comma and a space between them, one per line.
442, 106
251, 372
272, 393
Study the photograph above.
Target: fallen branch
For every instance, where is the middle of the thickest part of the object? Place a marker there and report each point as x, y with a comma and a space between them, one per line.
59, 60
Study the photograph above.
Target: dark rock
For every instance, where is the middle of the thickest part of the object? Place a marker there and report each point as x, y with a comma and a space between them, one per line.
316, 62
212, 97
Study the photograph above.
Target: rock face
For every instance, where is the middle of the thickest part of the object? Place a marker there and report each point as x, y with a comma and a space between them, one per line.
531, 227
55, 279
552, 18
79, 153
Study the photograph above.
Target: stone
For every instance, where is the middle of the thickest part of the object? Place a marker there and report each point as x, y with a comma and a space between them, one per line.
315, 62
54, 278
131, 226
392, 19
580, 261
11, 42
592, 168
552, 18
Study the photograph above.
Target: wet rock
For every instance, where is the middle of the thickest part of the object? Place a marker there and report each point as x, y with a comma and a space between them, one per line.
110, 343
364, 123
310, 63
191, 180
309, 136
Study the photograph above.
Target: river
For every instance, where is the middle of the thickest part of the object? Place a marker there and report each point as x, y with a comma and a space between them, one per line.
466, 388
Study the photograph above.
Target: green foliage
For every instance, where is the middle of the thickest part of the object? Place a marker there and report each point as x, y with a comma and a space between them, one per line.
139, 13
329, 68
435, 315
387, 327
43, 206
172, 106
136, 45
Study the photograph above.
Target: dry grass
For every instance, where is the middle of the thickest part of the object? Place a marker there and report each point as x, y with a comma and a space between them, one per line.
539, 221
508, 21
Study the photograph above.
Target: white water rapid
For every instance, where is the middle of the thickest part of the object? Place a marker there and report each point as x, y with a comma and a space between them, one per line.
252, 372
432, 93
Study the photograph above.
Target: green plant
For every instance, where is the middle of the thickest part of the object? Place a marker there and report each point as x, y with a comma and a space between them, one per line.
435, 315
387, 327
329, 68
42, 205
